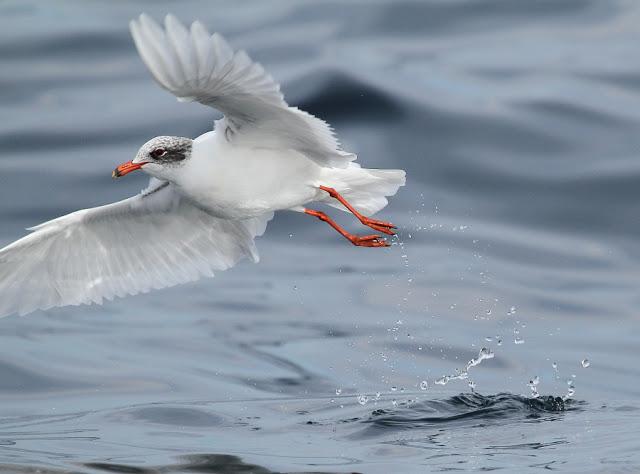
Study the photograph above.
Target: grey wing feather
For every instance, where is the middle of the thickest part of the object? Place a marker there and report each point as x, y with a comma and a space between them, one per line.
196, 66
153, 240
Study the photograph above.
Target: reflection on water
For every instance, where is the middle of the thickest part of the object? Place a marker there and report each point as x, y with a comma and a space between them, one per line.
518, 124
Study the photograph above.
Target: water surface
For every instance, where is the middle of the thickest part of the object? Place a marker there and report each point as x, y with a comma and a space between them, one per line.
518, 124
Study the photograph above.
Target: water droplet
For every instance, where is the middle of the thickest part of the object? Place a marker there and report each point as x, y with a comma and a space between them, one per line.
295, 287
472, 385
459, 375
499, 340
338, 391
571, 392
555, 366
424, 385
394, 388
533, 385
394, 403
443, 380
333, 400
585, 363
363, 399
486, 353
511, 311
482, 355
488, 339
378, 395
518, 340
489, 312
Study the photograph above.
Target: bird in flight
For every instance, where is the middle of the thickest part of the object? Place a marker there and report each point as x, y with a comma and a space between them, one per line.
208, 197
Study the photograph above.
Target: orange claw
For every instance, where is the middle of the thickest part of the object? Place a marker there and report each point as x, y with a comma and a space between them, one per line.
360, 241
357, 240
369, 241
380, 226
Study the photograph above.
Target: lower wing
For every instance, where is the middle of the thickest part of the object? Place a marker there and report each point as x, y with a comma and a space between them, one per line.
152, 240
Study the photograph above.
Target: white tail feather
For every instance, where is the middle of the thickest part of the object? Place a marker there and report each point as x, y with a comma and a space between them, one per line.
365, 189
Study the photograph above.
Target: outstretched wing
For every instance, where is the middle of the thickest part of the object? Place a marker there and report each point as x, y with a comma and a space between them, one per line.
153, 240
194, 65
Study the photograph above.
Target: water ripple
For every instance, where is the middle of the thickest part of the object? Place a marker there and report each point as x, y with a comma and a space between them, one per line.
462, 409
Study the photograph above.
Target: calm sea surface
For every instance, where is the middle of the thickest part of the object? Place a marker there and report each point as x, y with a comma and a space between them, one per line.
518, 123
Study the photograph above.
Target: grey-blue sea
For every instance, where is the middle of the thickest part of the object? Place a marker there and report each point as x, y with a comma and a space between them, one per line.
518, 124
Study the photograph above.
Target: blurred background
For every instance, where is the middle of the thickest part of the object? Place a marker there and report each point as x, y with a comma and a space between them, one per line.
518, 124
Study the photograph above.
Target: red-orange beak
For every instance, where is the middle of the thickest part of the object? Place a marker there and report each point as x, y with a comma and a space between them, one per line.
126, 168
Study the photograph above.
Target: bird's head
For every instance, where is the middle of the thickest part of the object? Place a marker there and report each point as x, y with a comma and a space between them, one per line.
161, 157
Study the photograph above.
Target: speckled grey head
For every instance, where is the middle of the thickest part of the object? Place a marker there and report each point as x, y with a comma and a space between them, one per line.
165, 151
162, 157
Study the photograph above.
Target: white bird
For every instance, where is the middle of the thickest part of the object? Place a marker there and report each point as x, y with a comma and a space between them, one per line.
208, 198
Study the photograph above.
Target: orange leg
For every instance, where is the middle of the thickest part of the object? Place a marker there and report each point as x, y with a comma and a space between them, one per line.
360, 241
380, 226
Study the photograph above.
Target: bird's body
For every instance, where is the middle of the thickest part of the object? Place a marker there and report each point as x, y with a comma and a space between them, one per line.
208, 197
235, 183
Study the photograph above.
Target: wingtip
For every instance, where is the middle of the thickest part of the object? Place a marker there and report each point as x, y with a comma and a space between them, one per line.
198, 29
133, 27
149, 23
171, 21
143, 17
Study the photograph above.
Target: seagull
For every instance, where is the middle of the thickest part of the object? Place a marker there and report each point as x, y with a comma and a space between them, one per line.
208, 198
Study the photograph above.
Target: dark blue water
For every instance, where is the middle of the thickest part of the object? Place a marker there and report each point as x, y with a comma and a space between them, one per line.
519, 126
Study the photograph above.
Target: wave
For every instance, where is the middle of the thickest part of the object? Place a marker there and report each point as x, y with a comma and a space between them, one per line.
465, 408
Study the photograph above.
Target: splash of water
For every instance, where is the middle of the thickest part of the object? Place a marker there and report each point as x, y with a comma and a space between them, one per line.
462, 374
533, 385
482, 355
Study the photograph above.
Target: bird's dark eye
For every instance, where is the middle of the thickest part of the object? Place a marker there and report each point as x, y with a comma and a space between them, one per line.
158, 152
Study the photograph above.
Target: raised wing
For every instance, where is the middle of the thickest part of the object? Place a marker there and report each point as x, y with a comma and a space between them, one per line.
194, 65
153, 240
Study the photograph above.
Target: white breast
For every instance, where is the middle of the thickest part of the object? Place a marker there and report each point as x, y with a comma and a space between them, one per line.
239, 182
